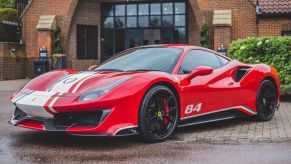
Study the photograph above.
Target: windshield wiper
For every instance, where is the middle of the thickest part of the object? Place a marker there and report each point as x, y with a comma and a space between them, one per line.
110, 70
141, 70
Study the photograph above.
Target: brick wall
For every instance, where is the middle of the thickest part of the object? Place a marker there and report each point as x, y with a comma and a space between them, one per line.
273, 27
31, 16
222, 36
45, 39
193, 27
12, 65
30, 19
243, 17
86, 13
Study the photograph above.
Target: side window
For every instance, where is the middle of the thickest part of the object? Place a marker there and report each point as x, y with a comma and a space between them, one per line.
223, 60
197, 58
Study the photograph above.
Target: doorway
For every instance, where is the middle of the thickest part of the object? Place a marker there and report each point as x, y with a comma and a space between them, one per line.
140, 37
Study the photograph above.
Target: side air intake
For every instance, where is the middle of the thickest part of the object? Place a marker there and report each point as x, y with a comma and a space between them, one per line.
240, 73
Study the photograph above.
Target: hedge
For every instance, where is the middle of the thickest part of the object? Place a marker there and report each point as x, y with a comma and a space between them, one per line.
7, 3
8, 14
274, 51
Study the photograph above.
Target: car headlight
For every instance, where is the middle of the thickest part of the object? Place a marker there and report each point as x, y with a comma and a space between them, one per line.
101, 91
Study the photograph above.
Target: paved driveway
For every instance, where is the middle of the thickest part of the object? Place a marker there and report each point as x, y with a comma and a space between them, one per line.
256, 142
243, 130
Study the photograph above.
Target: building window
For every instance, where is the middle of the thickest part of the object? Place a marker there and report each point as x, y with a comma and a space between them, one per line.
286, 33
141, 23
87, 42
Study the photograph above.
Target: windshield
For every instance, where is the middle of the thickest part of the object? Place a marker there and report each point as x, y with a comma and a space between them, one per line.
143, 59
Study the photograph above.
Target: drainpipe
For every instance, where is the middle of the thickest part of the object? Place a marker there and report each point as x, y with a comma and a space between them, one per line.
258, 11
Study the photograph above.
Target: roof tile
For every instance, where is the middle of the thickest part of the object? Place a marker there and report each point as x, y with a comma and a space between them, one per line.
275, 6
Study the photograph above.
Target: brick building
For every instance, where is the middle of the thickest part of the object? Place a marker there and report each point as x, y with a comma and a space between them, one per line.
93, 30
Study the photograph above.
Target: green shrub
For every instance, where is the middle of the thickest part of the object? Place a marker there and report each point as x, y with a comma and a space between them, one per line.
57, 45
7, 3
204, 35
274, 51
8, 14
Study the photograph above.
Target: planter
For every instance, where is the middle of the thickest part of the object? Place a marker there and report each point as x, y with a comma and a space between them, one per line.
59, 61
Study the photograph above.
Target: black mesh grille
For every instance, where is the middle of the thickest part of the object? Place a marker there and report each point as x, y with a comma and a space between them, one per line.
19, 114
85, 119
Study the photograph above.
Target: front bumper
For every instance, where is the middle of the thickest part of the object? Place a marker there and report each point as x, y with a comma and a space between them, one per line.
74, 123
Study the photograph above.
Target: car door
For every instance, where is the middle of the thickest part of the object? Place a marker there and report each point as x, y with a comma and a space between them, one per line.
205, 93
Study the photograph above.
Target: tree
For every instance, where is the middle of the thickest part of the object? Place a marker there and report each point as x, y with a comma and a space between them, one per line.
58, 56
6, 3
57, 45
204, 36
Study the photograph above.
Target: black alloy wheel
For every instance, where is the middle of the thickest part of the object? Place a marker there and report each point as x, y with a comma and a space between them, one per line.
266, 101
158, 114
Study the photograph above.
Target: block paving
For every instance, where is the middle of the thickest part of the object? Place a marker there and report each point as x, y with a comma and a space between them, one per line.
241, 131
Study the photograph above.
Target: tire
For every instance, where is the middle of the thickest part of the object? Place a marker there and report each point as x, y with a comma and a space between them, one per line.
266, 101
158, 115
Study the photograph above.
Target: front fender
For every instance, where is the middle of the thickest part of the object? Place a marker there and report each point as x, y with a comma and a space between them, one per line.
258, 73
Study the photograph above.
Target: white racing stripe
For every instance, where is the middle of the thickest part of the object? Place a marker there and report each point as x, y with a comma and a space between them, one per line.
50, 106
65, 84
81, 82
220, 110
61, 79
33, 104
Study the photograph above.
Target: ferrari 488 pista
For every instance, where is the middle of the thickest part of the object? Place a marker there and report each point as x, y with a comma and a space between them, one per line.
147, 90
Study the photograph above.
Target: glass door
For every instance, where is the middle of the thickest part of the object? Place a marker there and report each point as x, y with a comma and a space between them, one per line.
133, 38
152, 36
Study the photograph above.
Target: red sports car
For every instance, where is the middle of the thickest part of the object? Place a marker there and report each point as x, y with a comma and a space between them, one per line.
150, 91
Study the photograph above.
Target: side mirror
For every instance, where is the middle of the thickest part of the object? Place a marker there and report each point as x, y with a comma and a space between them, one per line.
92, 67
199, 71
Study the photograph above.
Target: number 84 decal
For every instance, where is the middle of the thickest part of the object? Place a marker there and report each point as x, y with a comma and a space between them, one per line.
191, 108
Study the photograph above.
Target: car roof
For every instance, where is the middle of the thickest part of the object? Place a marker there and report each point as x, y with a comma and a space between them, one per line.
183, 46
